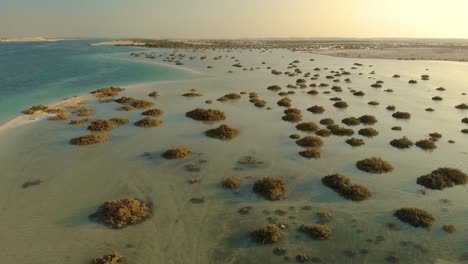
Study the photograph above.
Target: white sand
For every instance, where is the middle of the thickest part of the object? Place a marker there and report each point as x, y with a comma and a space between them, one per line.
32, 39
118, 42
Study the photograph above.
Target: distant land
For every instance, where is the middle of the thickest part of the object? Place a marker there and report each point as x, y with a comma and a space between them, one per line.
392, 48
34, 39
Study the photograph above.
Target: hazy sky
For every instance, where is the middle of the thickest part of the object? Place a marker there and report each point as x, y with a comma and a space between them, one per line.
234, 18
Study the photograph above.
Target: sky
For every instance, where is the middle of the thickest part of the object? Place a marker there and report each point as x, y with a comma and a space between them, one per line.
234, 18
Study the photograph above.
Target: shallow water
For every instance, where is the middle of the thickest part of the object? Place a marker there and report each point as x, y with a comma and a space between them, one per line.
49, 222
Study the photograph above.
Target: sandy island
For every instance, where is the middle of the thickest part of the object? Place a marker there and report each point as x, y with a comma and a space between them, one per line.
32, 39
118, 43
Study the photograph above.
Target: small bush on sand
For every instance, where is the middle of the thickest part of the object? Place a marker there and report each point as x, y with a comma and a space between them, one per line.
292, 111
101, 125
267, 235
340, 104
465, 120
84, 111
368, 119
80, 121
443, 178
462, 106
59, 117
310, 141
464, 131
191, 94
374, 165
230, 96
285, 102
122, 213
90, 139
426, 144
223, 132
295, 136
135, 103
154, 94
176, 153
148, 122
391, 108
415, 217
316, 109
368, 132
270, 188
310, 153
351, 121
232, 182
401, 143
327, 121
355, 142
340, 131
343, 186
401, 115
449, 229
307, 127
292, 117
323, 132
107, 92
206, 114
108, 259
316, 231
274, 88
119, 120
125, 108
153, 112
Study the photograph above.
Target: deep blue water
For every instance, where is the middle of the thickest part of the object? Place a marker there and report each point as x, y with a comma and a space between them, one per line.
45, 72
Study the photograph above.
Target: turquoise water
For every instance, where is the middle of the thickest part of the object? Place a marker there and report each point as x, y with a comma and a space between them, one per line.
44, 72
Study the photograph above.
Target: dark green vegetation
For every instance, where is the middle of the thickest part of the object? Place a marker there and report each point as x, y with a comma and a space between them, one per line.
316, 231
108, 259
270, 188
153, 112
90, 139
343, 186
122, 213
223, 132
401, 143
415, 217
206, 114
267, 235
374, 165
176, 153
442, 178
148, 122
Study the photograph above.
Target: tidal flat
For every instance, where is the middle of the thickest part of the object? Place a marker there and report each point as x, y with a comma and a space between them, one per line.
194, 218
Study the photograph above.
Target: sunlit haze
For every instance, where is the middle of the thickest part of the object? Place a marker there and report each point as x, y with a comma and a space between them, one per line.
234, 19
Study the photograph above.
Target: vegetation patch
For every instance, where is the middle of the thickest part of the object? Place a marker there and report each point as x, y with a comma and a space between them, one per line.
176, 153
355, 142
351, 121
230, 96
232, 182
80, 121
316, 231
109, 259
191, 94
59, 117
401, 143
89, 139
368, 132
344, 187
340, 131
135, 103
316, 109
285, 102
107, 92
401, 115
311, 153
442, 178
415, 217
84, 111
271, 188
462, 106
101, 125
327, 121
206, 114
374, 165
307, 127
148, 122
323, 132
274, 88
153, 112
426, 144
267, 235
122, 213
368, 119
310, 141
340, 104
223, 132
